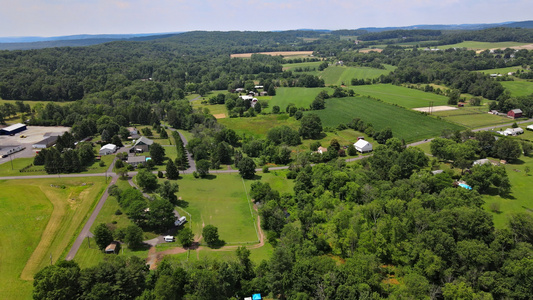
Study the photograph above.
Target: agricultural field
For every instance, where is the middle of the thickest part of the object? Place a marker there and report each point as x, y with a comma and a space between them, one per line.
311, 65
341, 75
472, 117
217, 110
503, 71
520, 198
483, 45
258, 126
288, 54
518, 88
402, 96
40, 219
405, 124
299, 96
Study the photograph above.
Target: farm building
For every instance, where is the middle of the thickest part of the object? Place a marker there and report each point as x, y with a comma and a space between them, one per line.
514, 113
16, 128
108, 149
322, 150
141, 145
513, 131
363, 146
136, 160
7, 150
46, 142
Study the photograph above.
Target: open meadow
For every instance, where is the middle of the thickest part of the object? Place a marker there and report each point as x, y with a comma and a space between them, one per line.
472, 117
342, 75
258, 126
405, 124
40, 220
299, 96
503, 71
518, 87
483, 45
289, 54
399, 95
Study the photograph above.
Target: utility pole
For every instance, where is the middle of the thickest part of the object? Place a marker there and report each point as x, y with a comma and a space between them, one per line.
89, 241
11, 157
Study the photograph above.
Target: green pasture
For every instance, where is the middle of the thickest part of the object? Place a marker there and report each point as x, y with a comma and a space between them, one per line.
258, 126
518, 88
520, 199
40, 220
472, 117
399, 95
339, 75
215, 109
503, 71
35, 103
219, 200
311, 65
482, 45
299, 96
405, 124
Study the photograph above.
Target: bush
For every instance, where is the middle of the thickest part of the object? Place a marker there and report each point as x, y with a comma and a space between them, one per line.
102, 163
118, 212
265, 169
160, 174
195, 174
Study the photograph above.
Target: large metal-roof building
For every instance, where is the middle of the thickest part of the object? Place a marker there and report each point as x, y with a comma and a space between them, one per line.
16, 128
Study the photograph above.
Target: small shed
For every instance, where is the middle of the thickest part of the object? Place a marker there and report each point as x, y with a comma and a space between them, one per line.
363, 146
514, 113
112, 248
15, 128
481, 161
108, 149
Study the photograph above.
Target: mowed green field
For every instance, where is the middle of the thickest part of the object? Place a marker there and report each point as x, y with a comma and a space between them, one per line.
399, 95
39, 220
258, 126
219, 200
472, 117
518, 88
520, 200
310, 65
338, 75
301, 97
482, 45
503, 71
405, 124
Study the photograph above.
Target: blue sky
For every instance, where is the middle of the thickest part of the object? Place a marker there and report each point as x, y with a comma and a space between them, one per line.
67, 17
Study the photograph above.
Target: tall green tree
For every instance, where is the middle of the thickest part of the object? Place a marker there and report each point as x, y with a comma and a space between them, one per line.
310, 126
247, 168
157, 153
102, 236
171, 170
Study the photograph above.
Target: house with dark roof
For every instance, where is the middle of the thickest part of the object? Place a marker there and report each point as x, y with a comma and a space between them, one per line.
45, 143
141, 145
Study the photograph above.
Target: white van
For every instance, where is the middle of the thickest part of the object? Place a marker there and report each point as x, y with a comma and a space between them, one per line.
180, 221
169, 238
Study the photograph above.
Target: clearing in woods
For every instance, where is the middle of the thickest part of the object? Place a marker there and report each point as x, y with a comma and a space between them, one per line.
275, 53
40, 219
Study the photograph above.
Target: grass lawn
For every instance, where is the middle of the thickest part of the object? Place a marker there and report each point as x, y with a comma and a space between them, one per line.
219, 200
518, 88
482, 45
215, 109
520, 200
258, 126
472, 117
301, 97
402, 96
38, 221
337, 75
405, 124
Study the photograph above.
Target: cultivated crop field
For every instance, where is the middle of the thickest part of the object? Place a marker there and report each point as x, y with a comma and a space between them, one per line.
402, 96
405, 124
337, 75
39, 221
518, 88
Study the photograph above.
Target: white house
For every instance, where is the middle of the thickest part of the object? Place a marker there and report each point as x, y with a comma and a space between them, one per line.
107, 149
363, 146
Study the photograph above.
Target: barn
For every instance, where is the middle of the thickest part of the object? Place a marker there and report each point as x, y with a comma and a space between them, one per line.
16, 128
515, 113
142, 145
363, 146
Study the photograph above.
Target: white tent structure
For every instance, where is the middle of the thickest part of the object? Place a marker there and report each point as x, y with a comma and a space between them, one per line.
363, 146
107, 149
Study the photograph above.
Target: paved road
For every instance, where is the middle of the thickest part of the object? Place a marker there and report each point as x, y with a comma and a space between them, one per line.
192, 163
85, 231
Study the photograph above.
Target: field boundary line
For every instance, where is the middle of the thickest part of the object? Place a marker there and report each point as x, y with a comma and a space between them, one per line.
250, 206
